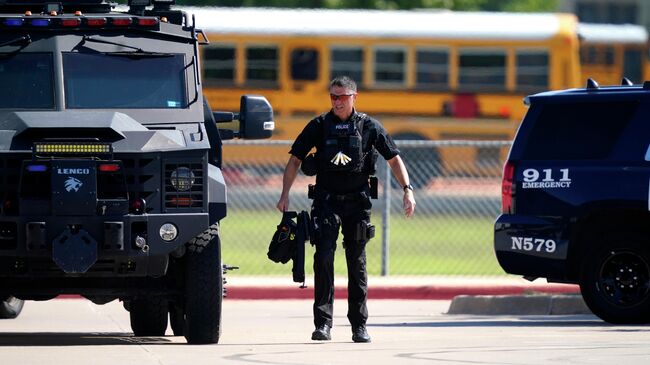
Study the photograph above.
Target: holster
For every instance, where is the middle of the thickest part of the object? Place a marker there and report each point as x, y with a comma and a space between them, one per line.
365, 231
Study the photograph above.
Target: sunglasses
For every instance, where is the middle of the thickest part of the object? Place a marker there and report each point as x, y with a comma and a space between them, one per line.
343, 97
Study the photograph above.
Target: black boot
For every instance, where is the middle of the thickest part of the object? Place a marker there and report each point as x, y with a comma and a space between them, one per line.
360, 334
321, 333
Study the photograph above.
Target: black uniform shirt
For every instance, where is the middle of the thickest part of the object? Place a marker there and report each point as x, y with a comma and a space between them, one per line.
373, 135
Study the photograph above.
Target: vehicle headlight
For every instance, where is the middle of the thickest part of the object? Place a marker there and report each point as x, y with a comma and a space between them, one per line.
168, 232
182, 179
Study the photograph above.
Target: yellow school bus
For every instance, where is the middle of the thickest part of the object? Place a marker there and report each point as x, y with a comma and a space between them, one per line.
426, 75
609, 52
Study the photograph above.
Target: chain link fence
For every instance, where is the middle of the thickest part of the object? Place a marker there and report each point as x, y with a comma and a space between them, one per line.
457, 190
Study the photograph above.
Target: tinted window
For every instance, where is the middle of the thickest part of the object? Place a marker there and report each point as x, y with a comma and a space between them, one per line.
99, 81
304, 64
26, 81
219, 63
347, 62
482, 69
262, 66
578, 130
432, 68
532, 70
389, 66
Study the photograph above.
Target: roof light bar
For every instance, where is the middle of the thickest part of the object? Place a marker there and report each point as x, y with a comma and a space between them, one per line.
122, 21
40, 22
72, 22
13, 22
96, 22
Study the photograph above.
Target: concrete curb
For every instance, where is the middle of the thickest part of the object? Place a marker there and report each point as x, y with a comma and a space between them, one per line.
519, 305
408, 292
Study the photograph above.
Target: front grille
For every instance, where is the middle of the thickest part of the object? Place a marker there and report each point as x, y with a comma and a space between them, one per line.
141, 179
189, 190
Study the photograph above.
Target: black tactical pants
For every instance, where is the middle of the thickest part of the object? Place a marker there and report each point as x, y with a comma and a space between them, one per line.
330, 215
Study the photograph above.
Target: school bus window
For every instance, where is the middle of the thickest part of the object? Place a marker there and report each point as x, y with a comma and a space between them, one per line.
597, 55
347, 61
219, 63
304, 64
482, 69
532, 70
389, 67
633, 65
262, 66
432, 69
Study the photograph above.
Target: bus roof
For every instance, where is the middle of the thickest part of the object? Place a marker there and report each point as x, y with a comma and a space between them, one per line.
379, 23
613, 33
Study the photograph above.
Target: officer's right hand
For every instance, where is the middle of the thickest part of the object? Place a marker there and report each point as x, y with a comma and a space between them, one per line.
283, 204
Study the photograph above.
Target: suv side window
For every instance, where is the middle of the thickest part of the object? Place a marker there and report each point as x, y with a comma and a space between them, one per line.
579, 130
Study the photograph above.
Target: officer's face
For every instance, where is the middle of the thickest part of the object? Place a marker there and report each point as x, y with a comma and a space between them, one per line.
342, 101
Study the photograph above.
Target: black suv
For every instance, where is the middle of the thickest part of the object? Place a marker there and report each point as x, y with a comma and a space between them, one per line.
575, 197
110, 162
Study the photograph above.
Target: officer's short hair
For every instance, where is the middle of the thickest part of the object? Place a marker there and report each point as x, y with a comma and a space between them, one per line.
345, 82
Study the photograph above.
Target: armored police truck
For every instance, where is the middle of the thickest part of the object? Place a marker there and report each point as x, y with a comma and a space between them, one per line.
576, 205
110, 162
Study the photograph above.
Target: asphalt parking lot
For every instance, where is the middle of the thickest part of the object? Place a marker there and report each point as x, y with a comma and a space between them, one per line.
75, 331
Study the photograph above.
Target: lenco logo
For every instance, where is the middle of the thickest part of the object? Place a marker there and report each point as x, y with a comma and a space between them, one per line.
73, 171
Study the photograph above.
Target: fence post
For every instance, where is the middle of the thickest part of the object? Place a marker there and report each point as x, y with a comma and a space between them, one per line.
385, 217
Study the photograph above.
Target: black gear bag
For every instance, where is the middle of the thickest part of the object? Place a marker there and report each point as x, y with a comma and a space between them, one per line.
288, 243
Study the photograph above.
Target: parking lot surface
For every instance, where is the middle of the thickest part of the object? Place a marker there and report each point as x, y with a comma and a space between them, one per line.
75, 331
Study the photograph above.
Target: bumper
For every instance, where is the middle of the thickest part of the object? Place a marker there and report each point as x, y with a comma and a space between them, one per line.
531, 246
56, 246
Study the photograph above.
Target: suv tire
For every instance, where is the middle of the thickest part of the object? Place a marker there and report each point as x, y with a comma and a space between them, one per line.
613, 282
204, 289
148, 316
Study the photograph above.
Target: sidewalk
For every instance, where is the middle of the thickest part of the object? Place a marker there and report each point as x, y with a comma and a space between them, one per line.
394, 287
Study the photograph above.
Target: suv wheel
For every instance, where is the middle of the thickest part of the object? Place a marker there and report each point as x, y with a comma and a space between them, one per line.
615, 283
11, 307
204, 289
148, 316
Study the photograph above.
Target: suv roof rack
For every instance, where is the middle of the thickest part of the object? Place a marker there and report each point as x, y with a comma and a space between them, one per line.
592, 84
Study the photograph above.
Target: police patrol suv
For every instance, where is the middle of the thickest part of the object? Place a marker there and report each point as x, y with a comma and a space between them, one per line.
110, 180
576, 190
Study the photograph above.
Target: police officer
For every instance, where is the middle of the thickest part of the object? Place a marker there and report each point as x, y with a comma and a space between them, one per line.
346, 143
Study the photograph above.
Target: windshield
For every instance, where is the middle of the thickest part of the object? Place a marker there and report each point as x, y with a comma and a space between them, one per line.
26, 81
102, 81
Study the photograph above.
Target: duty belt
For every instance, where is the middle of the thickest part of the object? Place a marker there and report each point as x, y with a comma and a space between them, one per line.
325, 195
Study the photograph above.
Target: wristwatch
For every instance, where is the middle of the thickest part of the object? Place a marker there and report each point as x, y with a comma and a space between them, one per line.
408, 186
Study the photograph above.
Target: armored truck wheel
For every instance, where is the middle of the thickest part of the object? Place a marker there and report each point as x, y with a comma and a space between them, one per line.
11, 307
148, 316
615, 283
203, 288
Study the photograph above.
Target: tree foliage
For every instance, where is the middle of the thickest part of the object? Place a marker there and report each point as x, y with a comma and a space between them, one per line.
463, 5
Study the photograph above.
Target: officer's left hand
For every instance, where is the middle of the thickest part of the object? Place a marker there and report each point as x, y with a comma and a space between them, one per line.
409, 203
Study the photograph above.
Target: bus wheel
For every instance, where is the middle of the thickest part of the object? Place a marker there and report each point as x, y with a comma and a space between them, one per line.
422, 163
203, 289
615, 282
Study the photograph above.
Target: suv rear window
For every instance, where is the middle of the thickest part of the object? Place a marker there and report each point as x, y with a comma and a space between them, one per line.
584, 130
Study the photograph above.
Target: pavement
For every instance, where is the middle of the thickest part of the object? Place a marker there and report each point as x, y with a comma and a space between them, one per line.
395, 287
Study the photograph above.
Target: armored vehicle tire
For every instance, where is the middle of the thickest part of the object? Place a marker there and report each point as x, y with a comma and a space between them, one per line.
148, 316
615, 282
11, 307
204, 289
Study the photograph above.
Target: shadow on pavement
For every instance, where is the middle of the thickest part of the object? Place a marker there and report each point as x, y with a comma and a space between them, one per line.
79, 339
527, 321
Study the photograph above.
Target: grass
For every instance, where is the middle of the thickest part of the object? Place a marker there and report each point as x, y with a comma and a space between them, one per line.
423, 245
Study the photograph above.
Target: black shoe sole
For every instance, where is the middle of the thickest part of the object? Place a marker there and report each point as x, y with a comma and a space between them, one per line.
317, 336
361, 340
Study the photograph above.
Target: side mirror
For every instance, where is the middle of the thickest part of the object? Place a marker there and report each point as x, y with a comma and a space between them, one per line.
255, 117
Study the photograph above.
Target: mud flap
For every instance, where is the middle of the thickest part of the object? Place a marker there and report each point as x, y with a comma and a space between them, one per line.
74, 251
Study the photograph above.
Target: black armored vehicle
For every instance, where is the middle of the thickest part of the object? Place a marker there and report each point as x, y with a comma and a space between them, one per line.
110, 162
575, 202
